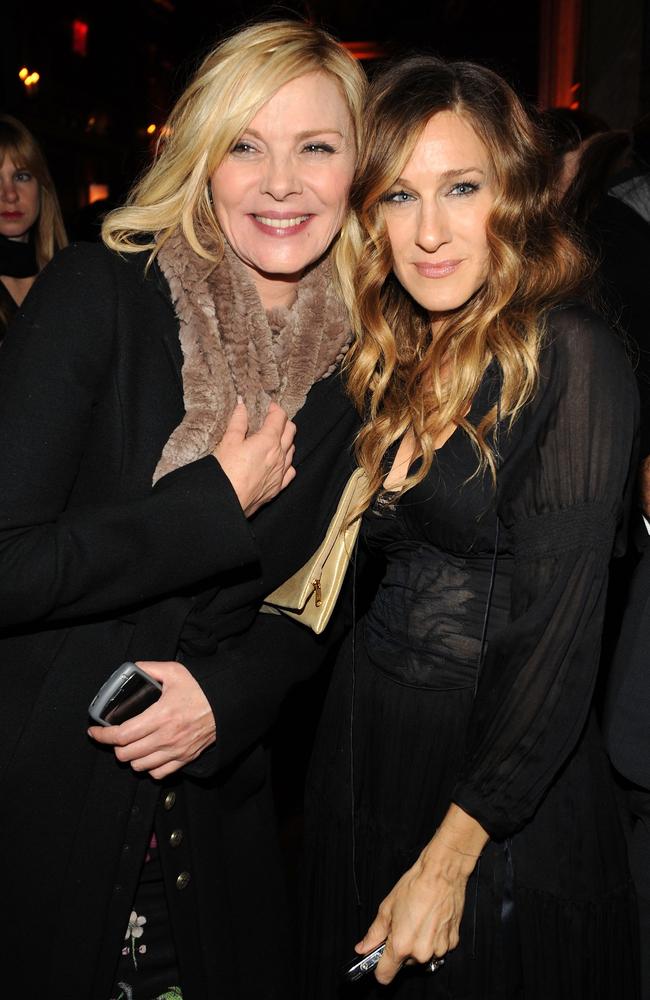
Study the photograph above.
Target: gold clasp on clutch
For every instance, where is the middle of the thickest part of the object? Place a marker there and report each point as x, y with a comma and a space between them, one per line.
317, 592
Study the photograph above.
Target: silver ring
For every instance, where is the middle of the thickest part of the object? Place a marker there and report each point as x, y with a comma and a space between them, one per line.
435, 964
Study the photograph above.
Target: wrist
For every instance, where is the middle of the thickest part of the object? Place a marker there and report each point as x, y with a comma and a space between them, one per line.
439, 858
459, 840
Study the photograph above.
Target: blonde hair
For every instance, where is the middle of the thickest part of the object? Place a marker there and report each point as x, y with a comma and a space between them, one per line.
231, 85
401, 375
18, 143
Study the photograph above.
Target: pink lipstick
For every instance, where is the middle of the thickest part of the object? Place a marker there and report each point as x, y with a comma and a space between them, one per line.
282, 224
439, 269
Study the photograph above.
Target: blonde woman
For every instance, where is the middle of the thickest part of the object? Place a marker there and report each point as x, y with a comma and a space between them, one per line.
121, 537
479, 842
31, 227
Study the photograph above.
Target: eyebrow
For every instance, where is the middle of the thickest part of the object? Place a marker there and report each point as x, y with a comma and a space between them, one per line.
448, 174
301, 135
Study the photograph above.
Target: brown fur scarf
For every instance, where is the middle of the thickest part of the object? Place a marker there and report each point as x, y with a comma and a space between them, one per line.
231, 346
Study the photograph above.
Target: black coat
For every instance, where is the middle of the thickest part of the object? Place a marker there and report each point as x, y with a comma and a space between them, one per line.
627, 708
96, 567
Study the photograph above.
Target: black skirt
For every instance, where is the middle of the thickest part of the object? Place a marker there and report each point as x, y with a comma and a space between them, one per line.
516, 940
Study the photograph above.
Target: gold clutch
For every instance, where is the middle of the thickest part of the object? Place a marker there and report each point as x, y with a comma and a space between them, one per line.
311, 593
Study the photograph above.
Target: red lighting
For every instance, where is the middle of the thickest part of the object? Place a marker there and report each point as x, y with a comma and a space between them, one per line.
80, 37
560, 27
364, 50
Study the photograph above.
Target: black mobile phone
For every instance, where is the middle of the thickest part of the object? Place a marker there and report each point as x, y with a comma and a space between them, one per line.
362, 964
127, 692
366, 963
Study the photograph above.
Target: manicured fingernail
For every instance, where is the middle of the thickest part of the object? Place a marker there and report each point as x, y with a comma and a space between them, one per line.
240, 399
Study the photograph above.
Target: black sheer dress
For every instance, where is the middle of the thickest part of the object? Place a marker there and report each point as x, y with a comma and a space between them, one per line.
550, 913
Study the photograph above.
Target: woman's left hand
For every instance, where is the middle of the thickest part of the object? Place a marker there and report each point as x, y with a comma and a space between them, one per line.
170, 733
420, 917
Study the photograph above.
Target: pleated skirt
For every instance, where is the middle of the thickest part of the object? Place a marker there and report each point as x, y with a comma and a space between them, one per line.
549, 915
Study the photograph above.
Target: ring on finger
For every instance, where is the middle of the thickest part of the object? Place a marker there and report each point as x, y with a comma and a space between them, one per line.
435, 964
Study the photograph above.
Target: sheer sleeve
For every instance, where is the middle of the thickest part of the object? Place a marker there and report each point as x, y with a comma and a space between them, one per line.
561, 501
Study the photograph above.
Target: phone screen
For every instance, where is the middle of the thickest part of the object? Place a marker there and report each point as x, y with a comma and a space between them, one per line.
134, 695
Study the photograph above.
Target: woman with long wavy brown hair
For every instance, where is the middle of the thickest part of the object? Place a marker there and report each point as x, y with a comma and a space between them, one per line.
461, 809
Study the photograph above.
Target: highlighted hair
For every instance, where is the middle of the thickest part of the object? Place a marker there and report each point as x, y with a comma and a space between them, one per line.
401, 376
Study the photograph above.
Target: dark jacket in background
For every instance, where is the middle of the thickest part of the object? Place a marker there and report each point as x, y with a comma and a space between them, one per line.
97, 567
620, 239
627, 715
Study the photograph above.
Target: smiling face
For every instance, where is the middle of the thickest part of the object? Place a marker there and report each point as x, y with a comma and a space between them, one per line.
20, 200
436, 215
280, 195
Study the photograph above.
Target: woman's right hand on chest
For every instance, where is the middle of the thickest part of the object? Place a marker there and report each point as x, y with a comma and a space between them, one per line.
258, 465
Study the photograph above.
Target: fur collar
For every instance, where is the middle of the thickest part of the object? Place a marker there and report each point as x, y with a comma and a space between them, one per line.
232, 347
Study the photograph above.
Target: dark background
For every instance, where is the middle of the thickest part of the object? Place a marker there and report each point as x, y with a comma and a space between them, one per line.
91, 108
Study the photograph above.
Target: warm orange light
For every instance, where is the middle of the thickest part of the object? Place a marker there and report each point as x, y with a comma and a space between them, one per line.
561, 26
151, 129
98, 192
29, 79
364, 50
24, 72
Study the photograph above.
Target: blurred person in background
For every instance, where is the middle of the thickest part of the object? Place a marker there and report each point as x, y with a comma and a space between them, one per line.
605, 190
595, 167
627, 735
31, 226
569, 130
632, 183
627, 704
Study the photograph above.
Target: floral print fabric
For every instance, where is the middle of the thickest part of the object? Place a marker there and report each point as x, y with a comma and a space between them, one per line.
147, 965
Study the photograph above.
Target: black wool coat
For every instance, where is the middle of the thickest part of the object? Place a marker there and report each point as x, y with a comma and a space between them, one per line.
96, 567
627, 705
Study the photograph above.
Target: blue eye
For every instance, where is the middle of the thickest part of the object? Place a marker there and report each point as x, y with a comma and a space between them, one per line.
396, 197
464, 188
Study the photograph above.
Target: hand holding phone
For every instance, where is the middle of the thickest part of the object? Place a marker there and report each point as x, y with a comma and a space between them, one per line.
363, 964
127, 692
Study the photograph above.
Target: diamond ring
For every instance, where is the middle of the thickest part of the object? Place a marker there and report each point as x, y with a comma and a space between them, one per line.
435, 964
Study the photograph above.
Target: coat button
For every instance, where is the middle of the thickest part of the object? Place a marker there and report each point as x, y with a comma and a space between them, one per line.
175, 838
169, 800
182, 880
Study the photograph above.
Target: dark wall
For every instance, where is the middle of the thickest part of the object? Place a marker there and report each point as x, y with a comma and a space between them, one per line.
91, 112
616, 60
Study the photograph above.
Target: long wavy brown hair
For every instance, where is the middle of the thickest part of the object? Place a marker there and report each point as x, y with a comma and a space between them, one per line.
402, 375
